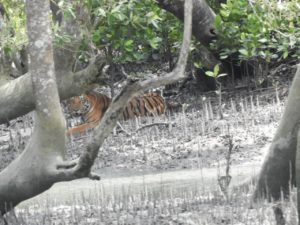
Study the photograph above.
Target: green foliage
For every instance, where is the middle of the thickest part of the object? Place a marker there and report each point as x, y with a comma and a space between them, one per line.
128, 30
261, 29
131, 30
12, 30
215, 73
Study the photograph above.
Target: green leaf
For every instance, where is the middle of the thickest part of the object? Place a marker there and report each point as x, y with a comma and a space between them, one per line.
243, 52
218, 21
154, 42
210, 73
100, 12
263, 40
128, 43
216, 69
96, 36
198, 65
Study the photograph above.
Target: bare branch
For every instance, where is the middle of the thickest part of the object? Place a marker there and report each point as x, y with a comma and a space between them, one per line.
17, 94
133, 88
150, 125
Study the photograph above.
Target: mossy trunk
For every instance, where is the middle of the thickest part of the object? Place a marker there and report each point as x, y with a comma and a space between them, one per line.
35, 169
42, 162
298, 175
203, 18
278, 170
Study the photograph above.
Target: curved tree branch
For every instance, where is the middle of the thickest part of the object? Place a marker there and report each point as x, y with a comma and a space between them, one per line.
203, 18
40, 165
17, 94
114, 113
203, 26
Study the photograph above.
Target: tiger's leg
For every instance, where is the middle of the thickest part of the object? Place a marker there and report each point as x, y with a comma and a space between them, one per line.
160, 104
81, 129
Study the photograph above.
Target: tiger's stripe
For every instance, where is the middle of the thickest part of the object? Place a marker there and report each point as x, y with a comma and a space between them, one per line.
149, 104
99, 103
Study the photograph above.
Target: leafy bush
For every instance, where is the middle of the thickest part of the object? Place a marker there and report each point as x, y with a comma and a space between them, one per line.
12, 30
130, 30
263, 29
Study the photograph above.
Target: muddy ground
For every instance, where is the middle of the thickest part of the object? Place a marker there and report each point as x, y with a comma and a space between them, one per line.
191, 139
195, 136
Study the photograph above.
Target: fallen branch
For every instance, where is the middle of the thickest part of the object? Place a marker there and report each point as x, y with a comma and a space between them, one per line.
140, 128
150, 125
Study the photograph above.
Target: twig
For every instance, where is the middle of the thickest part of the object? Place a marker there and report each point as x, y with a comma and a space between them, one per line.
123, 129
150, 125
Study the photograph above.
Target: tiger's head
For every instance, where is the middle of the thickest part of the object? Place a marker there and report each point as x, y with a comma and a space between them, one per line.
78, 105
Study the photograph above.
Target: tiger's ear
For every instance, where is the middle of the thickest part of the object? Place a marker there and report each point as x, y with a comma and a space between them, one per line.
89, 92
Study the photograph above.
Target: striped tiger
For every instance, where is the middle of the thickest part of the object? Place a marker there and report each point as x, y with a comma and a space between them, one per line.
92, 105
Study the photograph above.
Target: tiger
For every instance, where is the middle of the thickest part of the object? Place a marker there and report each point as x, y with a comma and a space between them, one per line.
92, 105
149, 104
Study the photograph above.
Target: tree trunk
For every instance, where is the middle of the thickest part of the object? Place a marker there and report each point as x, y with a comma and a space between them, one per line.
203, 31
203, 18
42, 162
204, 83
17, 95
278, 170
31, 173
298, 159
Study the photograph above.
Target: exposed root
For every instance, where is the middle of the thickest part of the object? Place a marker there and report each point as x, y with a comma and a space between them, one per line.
94, 176
67, 164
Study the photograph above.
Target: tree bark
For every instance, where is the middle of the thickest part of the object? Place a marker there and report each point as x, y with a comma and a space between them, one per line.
203, 18
114, 112
17, 95
278, 170
31, 173
203, 31
298, 169
41, 163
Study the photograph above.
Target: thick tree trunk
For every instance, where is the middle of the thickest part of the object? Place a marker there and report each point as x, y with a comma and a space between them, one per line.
31, 173
204, 82
203, 18
298, 172
278, 170
17, 95
114, 112
298, 156
203, 31
41, 163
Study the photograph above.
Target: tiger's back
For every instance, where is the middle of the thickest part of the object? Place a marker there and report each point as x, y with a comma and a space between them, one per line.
93, 105
149, 104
